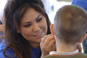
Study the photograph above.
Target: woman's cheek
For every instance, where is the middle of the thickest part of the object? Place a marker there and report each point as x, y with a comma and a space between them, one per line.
44, 26
26, 31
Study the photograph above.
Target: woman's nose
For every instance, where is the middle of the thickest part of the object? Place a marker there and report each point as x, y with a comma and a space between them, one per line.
36, 28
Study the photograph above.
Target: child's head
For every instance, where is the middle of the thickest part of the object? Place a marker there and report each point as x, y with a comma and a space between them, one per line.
70, 23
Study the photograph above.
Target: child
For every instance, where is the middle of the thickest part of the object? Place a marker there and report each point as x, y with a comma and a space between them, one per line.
70, 25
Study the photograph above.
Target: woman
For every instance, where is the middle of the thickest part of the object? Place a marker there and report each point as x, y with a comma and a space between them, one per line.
26, 22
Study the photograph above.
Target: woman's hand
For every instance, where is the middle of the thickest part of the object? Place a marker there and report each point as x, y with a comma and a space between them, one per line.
47, 44
79, 47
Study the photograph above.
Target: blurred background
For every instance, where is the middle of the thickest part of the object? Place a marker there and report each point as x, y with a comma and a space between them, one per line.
51, 7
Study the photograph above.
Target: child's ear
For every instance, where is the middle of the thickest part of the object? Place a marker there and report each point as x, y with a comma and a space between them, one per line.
52, 29
83, 37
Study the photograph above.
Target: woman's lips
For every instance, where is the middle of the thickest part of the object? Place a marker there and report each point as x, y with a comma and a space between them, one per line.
38, 35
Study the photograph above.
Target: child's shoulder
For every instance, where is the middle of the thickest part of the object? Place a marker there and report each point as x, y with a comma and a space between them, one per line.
49, 56
83, 55
80, 55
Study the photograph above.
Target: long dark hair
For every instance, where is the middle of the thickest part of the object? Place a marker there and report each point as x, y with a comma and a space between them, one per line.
13, 13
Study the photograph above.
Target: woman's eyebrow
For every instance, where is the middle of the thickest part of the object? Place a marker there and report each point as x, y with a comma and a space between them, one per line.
37, 17
30, 22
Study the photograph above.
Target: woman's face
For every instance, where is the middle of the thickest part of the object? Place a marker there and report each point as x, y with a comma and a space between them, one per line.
33, 26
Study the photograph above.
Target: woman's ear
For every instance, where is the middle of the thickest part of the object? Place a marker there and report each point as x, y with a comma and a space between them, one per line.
83, 37
52, 29
18, 30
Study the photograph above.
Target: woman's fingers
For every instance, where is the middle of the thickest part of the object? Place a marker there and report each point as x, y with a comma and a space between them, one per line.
51, 43
79, 47
54, 47
46, 39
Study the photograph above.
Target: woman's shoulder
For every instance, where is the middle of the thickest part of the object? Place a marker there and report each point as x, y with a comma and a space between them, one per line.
8, 51
2, 45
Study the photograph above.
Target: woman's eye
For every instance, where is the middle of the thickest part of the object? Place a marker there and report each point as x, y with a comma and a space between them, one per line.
27, 25
39, 20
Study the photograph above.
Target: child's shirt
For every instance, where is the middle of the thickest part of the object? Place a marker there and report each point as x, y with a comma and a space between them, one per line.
74, 54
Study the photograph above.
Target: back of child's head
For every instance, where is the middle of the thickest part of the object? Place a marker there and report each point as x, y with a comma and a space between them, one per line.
70, 23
